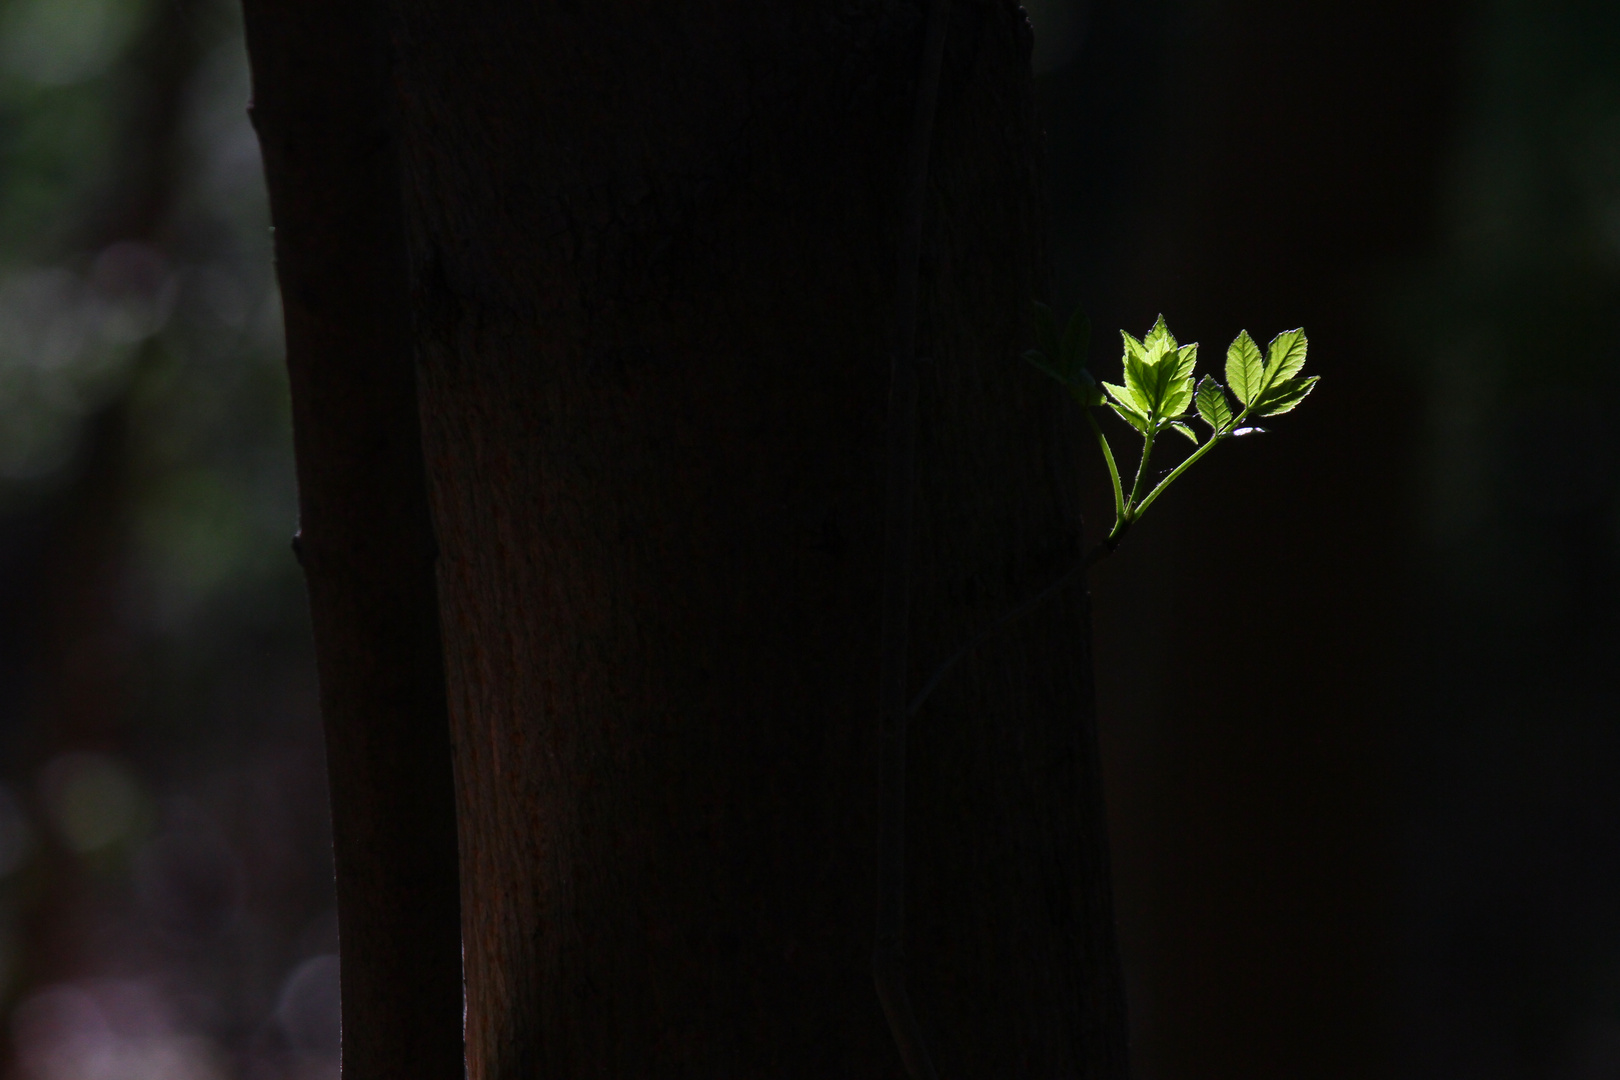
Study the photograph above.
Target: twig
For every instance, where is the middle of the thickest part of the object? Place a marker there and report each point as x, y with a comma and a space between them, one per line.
888, 950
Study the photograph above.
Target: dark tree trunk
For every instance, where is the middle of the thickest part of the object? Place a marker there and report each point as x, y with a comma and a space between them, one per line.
365, 540
652, 258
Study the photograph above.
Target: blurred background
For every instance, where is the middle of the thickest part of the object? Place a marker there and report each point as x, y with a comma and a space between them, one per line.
1357, 677
166, 903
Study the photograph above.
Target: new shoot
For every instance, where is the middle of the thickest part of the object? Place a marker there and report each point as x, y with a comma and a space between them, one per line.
1158, 395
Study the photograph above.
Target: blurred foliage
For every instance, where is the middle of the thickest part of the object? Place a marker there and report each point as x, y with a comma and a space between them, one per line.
165, 892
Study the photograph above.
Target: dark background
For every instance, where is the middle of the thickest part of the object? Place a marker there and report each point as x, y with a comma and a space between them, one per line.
1395, 852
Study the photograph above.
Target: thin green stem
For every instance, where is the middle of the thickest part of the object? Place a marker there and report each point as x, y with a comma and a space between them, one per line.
1113, 470
1115, 535
1177, 471
1187, 464
1132, 511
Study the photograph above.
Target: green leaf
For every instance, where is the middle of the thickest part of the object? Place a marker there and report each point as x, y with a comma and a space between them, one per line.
1284, 397
1187, 431
1046, 335
1177, 399
1176, 369
1245, 373
1168, 388
1186, 360
1285, 356
1154, 376
1133, 348
1159, 339
1076, 343
1142, 380
1212, 405
1130, 418
1127, 399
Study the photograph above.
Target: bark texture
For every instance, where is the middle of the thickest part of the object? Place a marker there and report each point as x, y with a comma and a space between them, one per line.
366, 542
652, 258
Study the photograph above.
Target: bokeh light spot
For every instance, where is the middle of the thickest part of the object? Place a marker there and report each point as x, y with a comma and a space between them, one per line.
92, 799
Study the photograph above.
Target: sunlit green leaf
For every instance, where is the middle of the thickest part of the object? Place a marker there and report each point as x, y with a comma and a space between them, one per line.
1157, 388
1141, 378
1176, 399
1212, 404
1159, 340
1187, 359
1245, 373
1167, 387
1176, 369
1160, 389
1127, 399
1285, 356
1284, 397
1156, 374
1130, 417
1133, 347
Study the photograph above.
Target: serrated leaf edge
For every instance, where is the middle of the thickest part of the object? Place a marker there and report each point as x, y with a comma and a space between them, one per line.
1288, 394
1245, 368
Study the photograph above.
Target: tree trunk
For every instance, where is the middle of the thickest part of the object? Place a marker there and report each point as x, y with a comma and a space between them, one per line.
365, 539
652, 255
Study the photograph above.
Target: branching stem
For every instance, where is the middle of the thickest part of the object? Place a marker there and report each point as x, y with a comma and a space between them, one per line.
1209, 444
1141, 474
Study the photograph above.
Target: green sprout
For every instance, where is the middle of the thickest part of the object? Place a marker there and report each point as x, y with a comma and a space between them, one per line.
1159, 395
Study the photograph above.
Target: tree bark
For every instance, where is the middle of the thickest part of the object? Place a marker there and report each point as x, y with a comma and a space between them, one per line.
652, 253
365, 538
